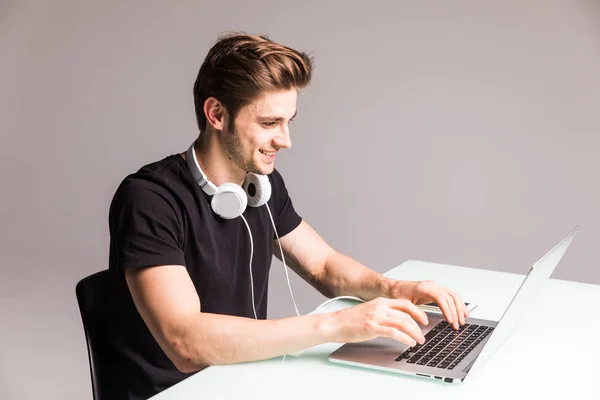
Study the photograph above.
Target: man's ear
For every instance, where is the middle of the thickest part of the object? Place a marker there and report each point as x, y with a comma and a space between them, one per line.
215, 113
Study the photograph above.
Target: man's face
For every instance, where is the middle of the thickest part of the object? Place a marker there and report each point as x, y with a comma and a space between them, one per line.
260, 129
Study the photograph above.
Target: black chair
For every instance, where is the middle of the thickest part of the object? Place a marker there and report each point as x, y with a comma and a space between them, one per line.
92, 296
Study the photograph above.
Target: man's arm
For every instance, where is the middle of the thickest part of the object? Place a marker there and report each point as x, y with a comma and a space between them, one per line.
169, 305
335, 274
330, 272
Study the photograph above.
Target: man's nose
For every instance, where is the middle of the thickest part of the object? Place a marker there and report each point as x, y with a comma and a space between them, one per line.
283, 140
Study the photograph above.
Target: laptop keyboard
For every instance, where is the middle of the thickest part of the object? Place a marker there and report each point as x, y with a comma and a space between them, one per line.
445, 347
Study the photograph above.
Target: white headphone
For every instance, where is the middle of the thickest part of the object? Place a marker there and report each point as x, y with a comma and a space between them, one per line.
228, 199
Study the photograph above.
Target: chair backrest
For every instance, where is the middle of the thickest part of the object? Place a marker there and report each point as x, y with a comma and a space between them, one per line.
92, 296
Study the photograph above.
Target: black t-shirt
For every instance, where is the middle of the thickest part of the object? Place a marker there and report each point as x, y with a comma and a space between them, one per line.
160, 216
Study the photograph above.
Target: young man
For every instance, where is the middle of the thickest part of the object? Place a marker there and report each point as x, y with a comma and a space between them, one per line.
183, 294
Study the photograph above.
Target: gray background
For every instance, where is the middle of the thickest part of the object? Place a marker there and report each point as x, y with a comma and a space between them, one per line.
455, 132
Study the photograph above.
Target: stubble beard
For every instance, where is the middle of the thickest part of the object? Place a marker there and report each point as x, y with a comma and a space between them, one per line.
235, 151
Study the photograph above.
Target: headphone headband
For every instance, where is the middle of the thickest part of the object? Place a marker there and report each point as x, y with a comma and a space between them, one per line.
201, 179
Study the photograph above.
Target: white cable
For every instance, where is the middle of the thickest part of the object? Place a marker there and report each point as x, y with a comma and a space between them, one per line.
338, 298
286, 273
251, 254
283, 259
284, 267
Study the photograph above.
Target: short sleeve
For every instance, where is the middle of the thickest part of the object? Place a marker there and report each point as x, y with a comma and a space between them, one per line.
145, 227
285, 216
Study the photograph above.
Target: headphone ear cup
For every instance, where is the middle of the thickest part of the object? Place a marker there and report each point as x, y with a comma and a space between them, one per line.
258, 189
229, 201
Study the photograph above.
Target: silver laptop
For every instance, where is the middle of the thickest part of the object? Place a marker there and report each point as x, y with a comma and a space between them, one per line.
447, 354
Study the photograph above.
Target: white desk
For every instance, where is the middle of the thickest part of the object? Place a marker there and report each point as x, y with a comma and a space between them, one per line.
532, 362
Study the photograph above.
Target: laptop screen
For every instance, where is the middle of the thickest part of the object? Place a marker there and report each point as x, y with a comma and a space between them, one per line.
525, 295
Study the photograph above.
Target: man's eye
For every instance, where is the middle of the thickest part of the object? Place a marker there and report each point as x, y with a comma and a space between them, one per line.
269, 124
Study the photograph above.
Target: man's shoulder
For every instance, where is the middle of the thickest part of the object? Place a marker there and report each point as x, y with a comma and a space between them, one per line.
165, 167
162, 178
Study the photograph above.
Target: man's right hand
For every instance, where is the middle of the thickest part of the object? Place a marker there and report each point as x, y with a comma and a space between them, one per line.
381, 317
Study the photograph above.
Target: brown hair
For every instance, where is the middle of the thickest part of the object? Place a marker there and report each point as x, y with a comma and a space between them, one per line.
240, 67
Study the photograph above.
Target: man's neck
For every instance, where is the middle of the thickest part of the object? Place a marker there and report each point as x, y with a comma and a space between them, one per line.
214, 161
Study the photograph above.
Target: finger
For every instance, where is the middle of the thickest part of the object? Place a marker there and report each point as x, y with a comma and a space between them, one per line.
405, 323
453, 310
409, 308
461, 308
445, 307
395, 334
455, 299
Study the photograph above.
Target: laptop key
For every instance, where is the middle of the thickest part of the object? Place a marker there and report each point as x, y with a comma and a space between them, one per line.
433, 332
413, 359
407, 354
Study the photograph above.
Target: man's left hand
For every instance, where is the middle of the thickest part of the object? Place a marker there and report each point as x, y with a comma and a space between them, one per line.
420, 292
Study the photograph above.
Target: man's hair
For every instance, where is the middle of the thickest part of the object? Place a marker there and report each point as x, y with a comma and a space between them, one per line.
240, 67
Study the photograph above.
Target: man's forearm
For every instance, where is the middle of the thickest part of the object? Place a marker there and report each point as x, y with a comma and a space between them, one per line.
213, 339
344, 276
